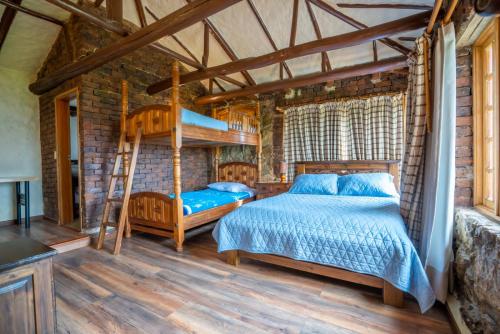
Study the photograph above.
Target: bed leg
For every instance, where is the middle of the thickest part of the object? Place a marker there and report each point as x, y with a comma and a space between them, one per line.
392, 295
178, 245
233, 257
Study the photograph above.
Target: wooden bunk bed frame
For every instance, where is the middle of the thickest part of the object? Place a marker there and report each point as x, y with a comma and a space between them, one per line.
162, 124
391, 295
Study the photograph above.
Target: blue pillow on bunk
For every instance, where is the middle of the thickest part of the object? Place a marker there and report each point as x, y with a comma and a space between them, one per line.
367, 184
233, 187
315, 184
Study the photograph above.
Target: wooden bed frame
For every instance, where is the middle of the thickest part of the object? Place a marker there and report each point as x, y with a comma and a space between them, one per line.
391, 295
162, 124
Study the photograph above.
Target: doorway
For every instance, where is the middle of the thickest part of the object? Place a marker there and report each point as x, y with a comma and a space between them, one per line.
68, 159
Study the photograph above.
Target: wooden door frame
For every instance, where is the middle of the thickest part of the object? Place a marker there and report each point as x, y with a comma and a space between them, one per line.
64, 98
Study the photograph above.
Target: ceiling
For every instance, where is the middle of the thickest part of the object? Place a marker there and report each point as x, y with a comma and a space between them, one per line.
30, 39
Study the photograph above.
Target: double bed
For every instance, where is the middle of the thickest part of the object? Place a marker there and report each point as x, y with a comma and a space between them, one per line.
356, 238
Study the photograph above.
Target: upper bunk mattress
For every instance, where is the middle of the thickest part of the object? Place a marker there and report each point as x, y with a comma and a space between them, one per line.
200, 200
361, 234
193, 118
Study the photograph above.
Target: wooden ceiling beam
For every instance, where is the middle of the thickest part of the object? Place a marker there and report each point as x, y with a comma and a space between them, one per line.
6, 21
384, 6
98, 3
140, 13
195, 61
283, 65
11, 4
407, 39
114, 10
81, 12
349, 20
310, 79
325, 61
326, 44
295, 17
169, 25
206, 45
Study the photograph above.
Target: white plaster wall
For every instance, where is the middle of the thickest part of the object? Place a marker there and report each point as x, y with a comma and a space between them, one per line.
19, 140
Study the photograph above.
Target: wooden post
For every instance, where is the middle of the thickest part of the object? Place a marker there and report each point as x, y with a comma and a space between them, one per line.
232, 257
126, 146
259, 144
176, 123
216, 150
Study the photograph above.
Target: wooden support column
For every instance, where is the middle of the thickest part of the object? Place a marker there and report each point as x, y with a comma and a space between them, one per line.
114, 10
126, 147
259, 144
216, 151
176, 139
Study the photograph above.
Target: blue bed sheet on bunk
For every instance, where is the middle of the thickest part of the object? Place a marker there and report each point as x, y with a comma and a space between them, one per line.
199, 200
362, 234
193, 118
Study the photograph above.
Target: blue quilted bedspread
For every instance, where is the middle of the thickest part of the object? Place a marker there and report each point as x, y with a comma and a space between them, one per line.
199, 200
362, 234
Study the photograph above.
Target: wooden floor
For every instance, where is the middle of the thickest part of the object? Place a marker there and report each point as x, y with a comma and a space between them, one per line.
149, 288
49, 233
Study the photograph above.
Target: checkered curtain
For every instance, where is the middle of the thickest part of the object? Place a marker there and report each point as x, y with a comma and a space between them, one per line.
355, 129
412, 170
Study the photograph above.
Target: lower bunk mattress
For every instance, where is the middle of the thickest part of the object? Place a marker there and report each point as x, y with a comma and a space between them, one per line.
361, 234
200, 200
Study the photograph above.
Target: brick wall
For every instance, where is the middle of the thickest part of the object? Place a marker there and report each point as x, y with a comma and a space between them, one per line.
464, 141
100, 108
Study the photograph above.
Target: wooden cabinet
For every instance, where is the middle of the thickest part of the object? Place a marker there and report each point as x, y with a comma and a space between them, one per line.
268, 189
27, 303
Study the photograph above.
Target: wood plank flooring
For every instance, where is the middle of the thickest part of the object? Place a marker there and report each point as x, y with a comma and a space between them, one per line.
149, 288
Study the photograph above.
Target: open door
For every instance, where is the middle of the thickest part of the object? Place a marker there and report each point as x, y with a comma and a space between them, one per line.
67, 155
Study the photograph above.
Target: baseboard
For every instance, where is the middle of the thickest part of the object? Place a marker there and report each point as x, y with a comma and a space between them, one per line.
14, 221
457, 321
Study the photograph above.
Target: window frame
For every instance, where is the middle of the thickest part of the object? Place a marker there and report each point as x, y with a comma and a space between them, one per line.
491, 35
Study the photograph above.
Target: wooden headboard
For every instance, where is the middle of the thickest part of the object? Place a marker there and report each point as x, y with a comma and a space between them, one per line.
344, 167
242, 172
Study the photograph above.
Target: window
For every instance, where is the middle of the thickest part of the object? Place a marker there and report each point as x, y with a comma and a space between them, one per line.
486, 119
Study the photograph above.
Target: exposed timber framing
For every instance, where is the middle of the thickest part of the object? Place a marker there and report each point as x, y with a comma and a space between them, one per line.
170, 24
384, 5
283, 65
140, 13
310, 79
98, 3
206, 45
19, 8
197, 63
295, 17
349, 20
114, 10
330, 43
434, 15
227, 49
7, 18
325, 61
98, 21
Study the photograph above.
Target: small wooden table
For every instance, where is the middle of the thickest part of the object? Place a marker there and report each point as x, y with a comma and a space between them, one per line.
21, 199
268, 189
26, 287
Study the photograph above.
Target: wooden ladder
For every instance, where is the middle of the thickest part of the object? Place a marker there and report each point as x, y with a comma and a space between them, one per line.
127, 176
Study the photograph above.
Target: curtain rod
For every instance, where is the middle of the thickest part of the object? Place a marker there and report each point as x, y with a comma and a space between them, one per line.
338, 99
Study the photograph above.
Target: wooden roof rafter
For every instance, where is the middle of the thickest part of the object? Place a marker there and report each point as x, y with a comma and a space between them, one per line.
325, 60
317, 46
283, 65
6, 21
31, 12
384, 6
170, 24
351, 21
193, 57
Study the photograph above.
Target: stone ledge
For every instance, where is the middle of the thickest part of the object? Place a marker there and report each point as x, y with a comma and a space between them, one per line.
477, 269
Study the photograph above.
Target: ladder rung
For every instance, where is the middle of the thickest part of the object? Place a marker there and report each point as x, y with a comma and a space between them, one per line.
125, 153
117, 200
119, 175
111, 224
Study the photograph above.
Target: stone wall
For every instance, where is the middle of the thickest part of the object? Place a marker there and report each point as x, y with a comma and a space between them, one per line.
477, 269
99, 110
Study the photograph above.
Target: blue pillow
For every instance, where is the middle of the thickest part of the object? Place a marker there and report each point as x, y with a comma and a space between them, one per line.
367, 184
233, 187
317, 184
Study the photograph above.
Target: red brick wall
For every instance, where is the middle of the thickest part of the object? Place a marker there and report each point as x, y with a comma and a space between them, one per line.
100, 108
464, 142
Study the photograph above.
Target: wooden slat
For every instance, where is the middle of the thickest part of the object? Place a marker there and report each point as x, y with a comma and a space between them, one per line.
172, 23
326, 44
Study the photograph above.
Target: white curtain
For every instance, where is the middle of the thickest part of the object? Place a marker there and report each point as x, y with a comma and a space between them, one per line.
436, 242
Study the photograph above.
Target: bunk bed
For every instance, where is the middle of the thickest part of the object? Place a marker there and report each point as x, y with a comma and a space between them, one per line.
178, 127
